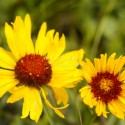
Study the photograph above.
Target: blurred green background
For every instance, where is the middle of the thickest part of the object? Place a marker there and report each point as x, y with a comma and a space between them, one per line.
98, 26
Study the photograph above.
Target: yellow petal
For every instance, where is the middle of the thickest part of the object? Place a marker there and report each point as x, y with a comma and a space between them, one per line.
11, 40
104, 110
42, 42
56, 47
111, 63
88, 98
85, 89
69, 60
6, 74
123, 86
50, 35
26, 103
119, 64
98, 108
24, 44
27, 23
6, 61
86, 72
122, 97
87, 76
121, 77
120, 105
103, 62
11, 55
55, 109
115, 110
101, 108
60, 79
5, 80
36, 104
97, 64
60, 95
17, 93
32, 104
90, 68
7, 86
59, 113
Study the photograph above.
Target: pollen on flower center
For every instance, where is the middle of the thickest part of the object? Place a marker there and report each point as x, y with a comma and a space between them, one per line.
33, 70
106, 86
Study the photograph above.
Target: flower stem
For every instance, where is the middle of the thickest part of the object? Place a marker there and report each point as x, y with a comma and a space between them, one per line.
48, 115
92, 119
79, 113
78, 107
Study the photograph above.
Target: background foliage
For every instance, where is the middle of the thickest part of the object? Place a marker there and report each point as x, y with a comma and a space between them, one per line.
98, 26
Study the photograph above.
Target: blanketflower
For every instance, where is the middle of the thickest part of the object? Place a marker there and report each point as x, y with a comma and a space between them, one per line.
29, 69
106, 88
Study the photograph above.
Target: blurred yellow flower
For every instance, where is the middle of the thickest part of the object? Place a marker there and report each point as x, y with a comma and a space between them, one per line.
28, 70
105, 89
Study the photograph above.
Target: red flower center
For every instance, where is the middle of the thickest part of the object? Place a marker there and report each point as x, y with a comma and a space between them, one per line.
106, 87
33, 70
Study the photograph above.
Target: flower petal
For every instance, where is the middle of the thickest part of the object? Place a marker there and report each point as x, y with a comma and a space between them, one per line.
87, 76
84, 90
121, 77
103, 62
42, 41
6, 85
88, 97
66, 77
60, 95
11, 40
120, 105
26, 103
6, 61
97, 64
113, 107
100, 108
36, 104
111, 63
55, 109
119, 64
27, 23
69, 60
56, 47
122, 96
6, 74
32, 103
24, 44
89, 68
17, 93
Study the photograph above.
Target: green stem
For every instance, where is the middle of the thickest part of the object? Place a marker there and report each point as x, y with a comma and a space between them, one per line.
48, 115
103, 120
78, 107
101, 27
79, 113
92, 119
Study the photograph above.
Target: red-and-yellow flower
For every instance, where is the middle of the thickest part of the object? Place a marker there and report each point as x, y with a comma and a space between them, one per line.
106, 88
29, 69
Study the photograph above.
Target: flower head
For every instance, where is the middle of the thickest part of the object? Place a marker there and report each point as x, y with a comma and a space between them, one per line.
28, 70
105, 87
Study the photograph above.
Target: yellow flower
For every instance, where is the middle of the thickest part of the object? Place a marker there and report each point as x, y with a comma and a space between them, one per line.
106, 88
27, 71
